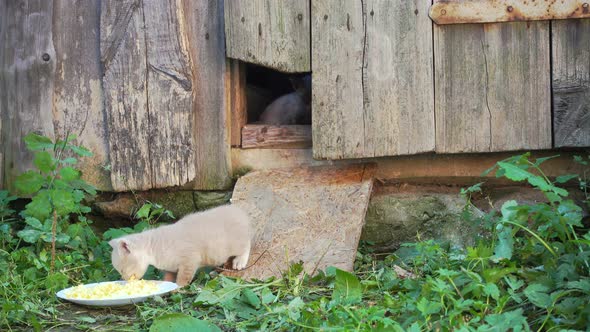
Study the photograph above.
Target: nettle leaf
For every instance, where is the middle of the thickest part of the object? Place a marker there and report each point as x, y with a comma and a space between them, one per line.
267, 296
44, 161
514, 283
583, 285
428, 308
36, 142
347, 288
492, 290
537, 294
508, 321
565, 178
69, 174
180, 322
34, 222
40, 206
509, 210
295, 307
56, 281
69, 161
251, 298
144, 211
29, 235
513, 172
539, 182
29, 182
63, 201
81, 151
505, 245
572, 212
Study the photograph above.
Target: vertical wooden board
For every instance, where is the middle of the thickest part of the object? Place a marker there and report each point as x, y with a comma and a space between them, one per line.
237, 100
271, 33
492, 87
211, 132
571, 82
372, 78
78, 97
123, 56
169, 94
27, 67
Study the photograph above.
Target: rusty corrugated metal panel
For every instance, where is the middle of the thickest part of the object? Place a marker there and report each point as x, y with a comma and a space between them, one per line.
490, 11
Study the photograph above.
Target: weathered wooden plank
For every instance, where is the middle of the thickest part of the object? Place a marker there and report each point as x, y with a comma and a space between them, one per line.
27, 67
169, 95
211, 114
571, 83
78, 97
266, 136
123, 57
372, 86
274, 33
489, 11
309, 214
237, 100
492, 87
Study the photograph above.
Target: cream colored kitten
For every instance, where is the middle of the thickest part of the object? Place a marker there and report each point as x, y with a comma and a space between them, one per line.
206, 238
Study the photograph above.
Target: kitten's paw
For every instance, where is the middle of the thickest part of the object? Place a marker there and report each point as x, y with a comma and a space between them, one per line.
240, 262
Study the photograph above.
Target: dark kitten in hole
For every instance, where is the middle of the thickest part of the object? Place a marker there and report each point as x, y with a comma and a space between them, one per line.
293, 108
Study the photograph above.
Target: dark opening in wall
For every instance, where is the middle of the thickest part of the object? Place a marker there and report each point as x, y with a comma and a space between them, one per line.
276, 98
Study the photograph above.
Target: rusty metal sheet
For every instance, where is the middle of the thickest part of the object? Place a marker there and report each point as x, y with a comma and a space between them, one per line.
492, 11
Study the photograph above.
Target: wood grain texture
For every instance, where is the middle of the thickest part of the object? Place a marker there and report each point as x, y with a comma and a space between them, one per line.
123, 56
211, 114
273, 34
27, 69
78, 97
285, 137
373, 90
237, 101
492, 87
571, 83
169, 94
315, 214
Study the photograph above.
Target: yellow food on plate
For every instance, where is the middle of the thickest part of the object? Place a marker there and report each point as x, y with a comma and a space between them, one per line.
110, 290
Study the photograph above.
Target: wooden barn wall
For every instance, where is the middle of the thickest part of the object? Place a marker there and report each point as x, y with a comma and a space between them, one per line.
142, 84
373, 91
271, 33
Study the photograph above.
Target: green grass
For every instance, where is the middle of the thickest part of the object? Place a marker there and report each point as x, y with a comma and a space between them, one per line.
529, 270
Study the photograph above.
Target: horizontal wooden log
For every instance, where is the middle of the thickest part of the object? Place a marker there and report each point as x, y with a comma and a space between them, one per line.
264, 136
491, 11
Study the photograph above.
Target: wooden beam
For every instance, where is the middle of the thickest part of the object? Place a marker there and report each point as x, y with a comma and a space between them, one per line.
571, 83
493, 11
285, 137
237, 100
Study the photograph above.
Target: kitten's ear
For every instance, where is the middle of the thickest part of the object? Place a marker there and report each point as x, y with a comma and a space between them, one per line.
121, 244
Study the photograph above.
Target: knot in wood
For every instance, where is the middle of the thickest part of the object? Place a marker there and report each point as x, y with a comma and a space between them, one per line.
45, 57
510, 9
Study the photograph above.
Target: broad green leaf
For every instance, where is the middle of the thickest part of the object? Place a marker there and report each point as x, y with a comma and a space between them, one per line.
492, 290
56, 281
144, 211
572, 213
537, 294
428, 308
539, 161
513, 172
29, 235
580, 160
514, 283
539, 182
36, 142
181, 323
565, 178
267, 296
81, 151
34, 222
29, 182
251, 298
508, 321
63, 202
583, 284
295, 307
347, 288
69, 174
69, 161
40, 206
508, 210
44, 161
505, 244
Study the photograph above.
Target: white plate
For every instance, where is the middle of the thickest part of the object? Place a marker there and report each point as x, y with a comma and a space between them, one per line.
164, 287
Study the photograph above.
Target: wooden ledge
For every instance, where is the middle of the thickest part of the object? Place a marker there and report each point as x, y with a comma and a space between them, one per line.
279, 137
